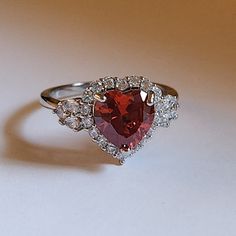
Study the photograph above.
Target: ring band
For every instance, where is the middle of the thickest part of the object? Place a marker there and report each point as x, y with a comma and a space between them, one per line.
120, 114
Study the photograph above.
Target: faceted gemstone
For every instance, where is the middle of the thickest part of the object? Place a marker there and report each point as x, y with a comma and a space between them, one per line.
111, 149
97, 87
87, 122
60, 112
93, 133
109, 83
124, 118
88, 96
72, 122
70, 106
122, 84
134, 81
146, 84
85, 109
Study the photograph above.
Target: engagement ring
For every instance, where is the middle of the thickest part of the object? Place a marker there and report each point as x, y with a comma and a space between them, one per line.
120, 114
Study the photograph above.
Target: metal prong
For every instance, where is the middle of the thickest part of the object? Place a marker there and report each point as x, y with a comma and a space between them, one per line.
61, 122
100, 97
78, 129
150, 98
122, 161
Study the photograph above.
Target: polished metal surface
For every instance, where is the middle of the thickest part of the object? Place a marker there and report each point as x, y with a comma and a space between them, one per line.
52, 96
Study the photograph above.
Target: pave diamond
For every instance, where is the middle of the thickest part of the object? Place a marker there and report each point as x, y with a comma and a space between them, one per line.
146, 84
70, 106
97, 87
72, 122
122, 84
157, 91
87, 96
87, 122
166, 110
60, 112
94, 133
102, 142
169, 102
109, 83
112, 149
134, 81
162, 122
171, 115
85, 109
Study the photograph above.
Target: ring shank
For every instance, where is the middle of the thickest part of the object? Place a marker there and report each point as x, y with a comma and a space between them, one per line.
52, 96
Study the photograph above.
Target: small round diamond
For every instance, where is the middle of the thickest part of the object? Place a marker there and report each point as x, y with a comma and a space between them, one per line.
122, 155
70, 106
87, 122
161, 121
171, 115
122, 84
72, 122
149, 134
94, 133
157, 91
102, 142
85, 109
111, 149
140, 145
109, 83
97, 87
146, 84
165, 124
134, 81
87, 96
169, 102
60, 112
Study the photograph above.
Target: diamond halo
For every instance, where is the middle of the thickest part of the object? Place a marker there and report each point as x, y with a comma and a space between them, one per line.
78, 113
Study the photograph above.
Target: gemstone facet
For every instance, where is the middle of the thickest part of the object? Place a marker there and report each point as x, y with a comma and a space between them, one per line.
124, 118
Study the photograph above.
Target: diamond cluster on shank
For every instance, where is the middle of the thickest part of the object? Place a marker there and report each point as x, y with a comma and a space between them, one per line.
120, 114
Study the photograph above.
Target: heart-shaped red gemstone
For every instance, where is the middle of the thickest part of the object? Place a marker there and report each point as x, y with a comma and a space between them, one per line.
124, 118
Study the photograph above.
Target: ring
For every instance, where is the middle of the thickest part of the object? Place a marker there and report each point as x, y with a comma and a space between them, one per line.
120, 114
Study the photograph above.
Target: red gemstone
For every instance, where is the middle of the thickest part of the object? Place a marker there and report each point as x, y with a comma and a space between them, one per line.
124, 118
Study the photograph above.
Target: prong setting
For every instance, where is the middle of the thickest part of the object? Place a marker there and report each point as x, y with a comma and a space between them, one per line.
78, 113
150, 98
100, 97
